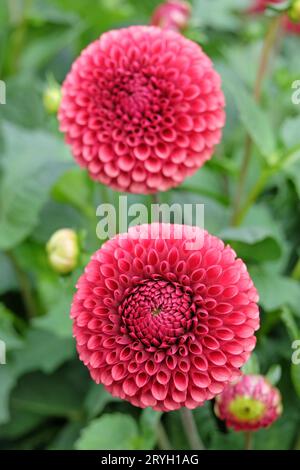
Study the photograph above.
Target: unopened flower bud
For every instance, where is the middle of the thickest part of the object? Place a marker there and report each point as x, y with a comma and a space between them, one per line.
294, 11
52, 98
173, 14
63, 251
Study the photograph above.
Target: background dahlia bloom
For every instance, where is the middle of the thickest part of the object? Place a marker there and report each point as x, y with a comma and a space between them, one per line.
142, 109
161, 325
259, 6
249, 404
173, 14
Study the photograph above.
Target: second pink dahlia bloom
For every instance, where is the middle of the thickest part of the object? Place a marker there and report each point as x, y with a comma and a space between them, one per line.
249, 404
142, 109
161, 324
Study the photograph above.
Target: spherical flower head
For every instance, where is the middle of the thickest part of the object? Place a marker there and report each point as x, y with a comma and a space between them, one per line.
164, 316
142, 109
63, 250
290, 21
249, 404
173, 14
52, 98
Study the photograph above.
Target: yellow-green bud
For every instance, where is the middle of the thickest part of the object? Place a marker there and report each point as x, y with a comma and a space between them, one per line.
294, 11
52, 98
63, 250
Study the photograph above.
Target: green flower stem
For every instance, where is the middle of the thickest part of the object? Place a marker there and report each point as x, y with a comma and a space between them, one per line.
296, 271
253, 195
155, 199
282, 161
248, 440
269, 43
19, 34
162, 437
25, 287
190, 429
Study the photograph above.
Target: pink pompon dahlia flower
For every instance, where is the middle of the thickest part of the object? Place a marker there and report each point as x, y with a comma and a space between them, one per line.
142, 109
162, 323
248, 404
259, 6
172, 14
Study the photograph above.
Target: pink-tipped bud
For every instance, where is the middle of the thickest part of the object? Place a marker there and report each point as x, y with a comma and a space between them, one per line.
173, 14
248, 404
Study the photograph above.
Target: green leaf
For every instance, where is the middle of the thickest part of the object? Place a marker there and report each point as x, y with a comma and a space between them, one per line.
41, 351
57, 320
216, 216
295, 375
104, 14
254, 243
289, 321
253, 117
252, 365
55, 216
110, 432
20, 423
42, 49
75, 188
96, 400
204, 14
31, 164
149, 422
279, 436
42, 11
290, 131
274, 374
24, 106
66, 437
7, 382
291, 139
47, 396
8, 280
276, 290
8, 333
57, 295
206, 182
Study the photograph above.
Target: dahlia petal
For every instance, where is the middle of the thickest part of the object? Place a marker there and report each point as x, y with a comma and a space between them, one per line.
200, 380
221, 374
159, 391
118, 371
180, 381
130, 387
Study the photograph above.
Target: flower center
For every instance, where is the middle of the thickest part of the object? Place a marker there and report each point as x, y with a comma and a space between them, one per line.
247, 409
136, 101
157, 312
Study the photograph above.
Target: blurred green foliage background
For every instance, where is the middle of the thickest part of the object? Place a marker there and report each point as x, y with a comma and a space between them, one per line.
47, 400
